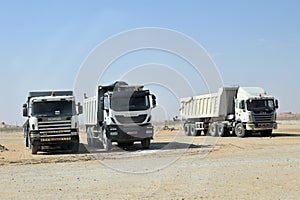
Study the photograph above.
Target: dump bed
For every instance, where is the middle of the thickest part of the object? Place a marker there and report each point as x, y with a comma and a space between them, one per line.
214, 105
90, 110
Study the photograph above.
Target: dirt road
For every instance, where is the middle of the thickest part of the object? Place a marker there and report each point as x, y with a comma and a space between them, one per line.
188, 168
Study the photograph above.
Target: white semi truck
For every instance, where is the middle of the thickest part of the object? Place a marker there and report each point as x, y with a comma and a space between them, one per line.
232, 110
119, 113
52, 121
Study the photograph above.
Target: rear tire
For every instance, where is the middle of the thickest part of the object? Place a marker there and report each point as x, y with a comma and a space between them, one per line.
186, 127
213, 129
220, 130
146, 143
193, 130
88, 137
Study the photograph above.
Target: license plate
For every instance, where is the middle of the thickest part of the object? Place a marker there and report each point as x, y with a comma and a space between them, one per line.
132, 132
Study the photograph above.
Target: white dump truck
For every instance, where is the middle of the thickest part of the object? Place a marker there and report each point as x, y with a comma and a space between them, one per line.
119, 113
232, 110
52, 121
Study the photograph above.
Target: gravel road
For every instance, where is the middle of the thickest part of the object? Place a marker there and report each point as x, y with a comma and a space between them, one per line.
188, 168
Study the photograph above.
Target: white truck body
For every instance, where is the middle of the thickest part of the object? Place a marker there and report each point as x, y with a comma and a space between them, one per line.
119, 113
239, 110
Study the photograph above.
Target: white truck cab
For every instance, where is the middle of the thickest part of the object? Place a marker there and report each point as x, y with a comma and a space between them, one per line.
52, 120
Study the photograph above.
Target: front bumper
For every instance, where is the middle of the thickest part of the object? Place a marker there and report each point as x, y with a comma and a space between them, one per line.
52, 140
129, 133
258, 126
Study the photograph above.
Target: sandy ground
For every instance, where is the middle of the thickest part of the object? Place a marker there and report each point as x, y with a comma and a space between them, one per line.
175, 167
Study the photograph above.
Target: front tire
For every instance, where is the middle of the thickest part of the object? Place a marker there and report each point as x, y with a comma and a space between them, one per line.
240, 130
146, 143
75, 147
107, 144
266, 133
33, 149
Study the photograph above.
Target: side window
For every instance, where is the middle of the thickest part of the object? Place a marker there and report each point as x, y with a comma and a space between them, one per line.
242, 104
271, 103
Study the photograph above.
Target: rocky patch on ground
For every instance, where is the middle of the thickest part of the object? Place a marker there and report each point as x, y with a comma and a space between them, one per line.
3, 148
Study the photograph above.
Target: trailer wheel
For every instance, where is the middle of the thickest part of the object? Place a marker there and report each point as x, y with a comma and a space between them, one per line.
187, 129
146, 143
213, 129
193, 131
240, 130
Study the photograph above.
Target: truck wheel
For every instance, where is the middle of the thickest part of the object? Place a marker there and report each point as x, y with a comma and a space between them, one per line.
33, 149
146, 143
198, 133
106, 141
26, 141
220, 130
75, 147
187, 129
88, 136
240, 130
213, 129
266, 133
193, 131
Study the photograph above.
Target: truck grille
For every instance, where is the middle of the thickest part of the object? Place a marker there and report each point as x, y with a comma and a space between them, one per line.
54, 127
262, 117
129, 120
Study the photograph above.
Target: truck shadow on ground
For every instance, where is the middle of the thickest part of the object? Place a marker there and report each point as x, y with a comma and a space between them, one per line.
154, 146
285, 135
258, 135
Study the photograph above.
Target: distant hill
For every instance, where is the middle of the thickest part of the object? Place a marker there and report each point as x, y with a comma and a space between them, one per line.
288, 115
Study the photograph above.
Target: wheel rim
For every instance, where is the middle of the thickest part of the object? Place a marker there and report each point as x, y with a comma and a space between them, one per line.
239, 130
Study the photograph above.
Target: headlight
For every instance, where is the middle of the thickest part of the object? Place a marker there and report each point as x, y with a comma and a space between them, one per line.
114, 133
250, 117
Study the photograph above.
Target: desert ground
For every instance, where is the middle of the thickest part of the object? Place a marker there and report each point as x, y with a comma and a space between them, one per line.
175, 167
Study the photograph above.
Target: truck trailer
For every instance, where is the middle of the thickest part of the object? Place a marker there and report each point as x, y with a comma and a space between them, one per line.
52, 121
119, 113
232, 110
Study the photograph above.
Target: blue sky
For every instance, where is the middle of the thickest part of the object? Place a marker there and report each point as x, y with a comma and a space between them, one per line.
43, 43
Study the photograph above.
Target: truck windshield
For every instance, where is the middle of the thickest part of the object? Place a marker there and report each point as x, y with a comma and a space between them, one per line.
129, 103
53, 108
260, 105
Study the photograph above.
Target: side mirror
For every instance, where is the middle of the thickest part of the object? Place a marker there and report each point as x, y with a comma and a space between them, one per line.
25, 112
80, 109
153, 101
276, 104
